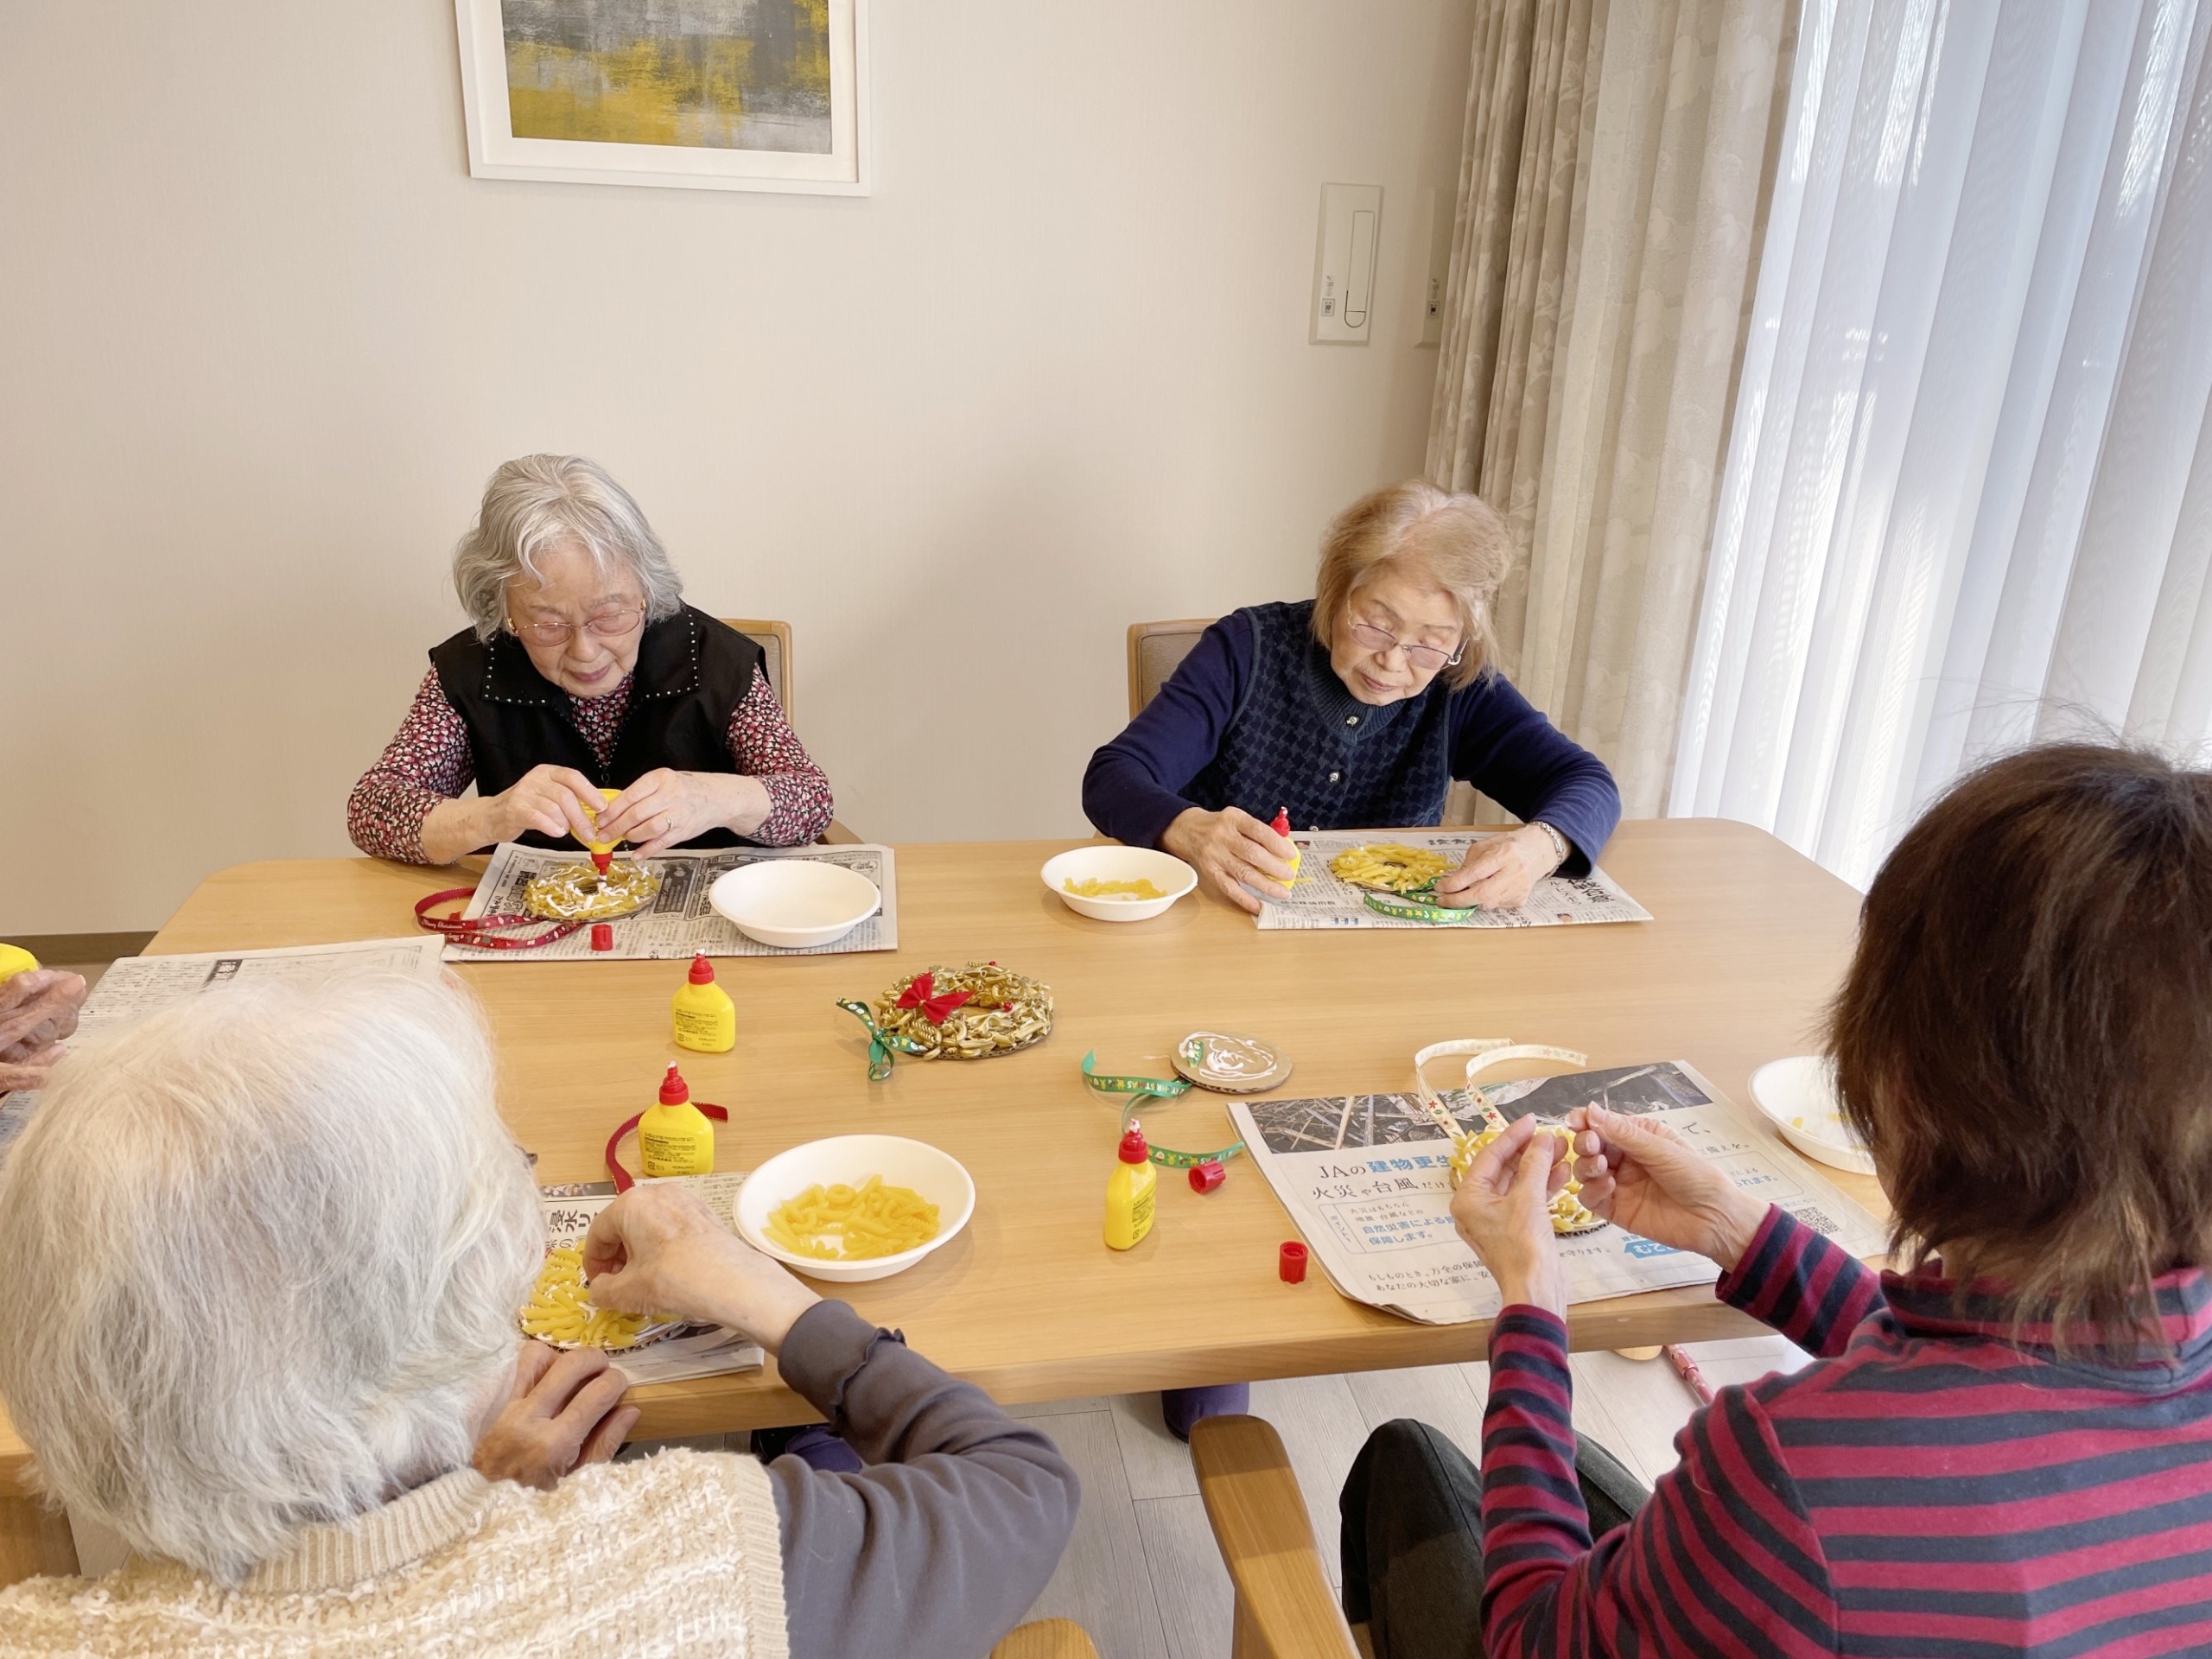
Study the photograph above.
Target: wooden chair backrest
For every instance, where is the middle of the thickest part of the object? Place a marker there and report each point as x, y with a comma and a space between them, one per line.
1284, 1606
1155, 650
774, 639
1046, 1638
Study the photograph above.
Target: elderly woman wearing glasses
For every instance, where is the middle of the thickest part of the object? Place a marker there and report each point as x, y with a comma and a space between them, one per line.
583, 669
1356, 709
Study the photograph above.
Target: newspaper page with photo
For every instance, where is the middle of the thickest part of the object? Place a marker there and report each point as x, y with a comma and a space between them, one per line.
693, 1350
1321, 899
1368, 1180
680, 922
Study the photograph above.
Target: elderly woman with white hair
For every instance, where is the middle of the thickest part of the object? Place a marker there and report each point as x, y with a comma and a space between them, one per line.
583, 669
260, 1261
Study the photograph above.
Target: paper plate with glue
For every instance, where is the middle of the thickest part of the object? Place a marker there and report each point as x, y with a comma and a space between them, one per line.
1231, 1064
954, 1014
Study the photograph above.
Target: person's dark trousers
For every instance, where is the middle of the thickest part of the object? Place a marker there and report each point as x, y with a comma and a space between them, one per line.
1413, 1537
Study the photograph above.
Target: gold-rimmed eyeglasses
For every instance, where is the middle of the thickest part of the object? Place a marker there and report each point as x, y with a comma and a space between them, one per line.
1431, 658
615, 622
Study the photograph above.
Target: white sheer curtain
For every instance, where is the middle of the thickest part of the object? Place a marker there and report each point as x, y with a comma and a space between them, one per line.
1967, 501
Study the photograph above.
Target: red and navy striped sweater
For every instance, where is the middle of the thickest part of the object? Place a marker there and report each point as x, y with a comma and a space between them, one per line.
1937, 1485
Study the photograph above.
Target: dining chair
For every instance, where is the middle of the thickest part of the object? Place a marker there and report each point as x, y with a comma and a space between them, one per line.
1286, 1607
774, 639
1046, 1638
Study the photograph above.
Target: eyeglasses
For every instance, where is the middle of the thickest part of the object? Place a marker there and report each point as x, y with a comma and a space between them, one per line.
1431, 658
611, 624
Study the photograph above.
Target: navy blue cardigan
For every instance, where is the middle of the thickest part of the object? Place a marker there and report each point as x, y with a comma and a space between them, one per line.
1161, 765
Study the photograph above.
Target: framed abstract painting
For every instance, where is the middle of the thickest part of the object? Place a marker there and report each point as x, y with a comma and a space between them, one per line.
699, 94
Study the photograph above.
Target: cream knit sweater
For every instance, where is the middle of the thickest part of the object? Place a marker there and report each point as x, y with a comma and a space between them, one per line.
673, 1554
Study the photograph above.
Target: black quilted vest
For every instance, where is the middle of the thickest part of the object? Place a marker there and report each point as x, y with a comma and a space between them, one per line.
692, 672
1298, 740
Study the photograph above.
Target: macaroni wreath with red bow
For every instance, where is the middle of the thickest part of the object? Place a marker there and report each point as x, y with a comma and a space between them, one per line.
965, 1013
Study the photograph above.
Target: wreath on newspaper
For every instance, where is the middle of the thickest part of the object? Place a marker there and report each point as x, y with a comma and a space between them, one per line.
571, 896
1570, 1218
954, 1014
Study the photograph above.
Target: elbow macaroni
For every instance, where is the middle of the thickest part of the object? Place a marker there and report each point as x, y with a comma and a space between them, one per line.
1388, 866
853, 1223
560, 1310
1569, 1215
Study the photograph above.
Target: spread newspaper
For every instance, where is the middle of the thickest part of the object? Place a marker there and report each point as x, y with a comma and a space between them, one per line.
136, 986
697, 1350
1367, 1179
680, 922
1320, 899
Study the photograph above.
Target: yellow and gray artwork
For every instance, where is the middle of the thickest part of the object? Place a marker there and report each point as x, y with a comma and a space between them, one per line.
718, 74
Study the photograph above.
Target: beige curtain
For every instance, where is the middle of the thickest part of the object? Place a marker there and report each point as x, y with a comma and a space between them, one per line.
1612, 197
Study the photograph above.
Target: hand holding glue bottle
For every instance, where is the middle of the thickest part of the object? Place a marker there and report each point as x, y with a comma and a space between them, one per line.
1297, 854
602, 852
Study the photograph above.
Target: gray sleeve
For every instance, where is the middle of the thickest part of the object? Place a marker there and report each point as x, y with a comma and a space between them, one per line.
938, 1548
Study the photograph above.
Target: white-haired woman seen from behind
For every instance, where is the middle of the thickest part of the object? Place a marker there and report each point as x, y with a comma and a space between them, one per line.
260, 1259
582, 669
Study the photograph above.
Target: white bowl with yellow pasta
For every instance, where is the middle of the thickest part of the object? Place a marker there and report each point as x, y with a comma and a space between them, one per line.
1118, 883
844, 1209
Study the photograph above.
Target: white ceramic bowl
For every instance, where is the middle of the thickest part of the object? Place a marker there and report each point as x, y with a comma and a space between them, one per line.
851, 1159
794, 902
1799, 1095
1164, 870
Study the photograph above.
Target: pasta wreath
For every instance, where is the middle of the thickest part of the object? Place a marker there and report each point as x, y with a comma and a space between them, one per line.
560, 1309
1388, 866
577, 892
1569, 1215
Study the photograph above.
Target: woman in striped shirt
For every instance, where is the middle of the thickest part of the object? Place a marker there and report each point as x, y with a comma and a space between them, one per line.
2006, 1447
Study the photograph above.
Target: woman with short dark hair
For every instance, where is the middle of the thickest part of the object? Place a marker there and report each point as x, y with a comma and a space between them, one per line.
2007, 1447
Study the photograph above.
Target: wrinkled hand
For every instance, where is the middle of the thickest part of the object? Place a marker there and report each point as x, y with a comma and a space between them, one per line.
658, 1249
1229, 849
1640, 1175
1500, 870
663, 807
552, 800
565, 1411
38, 1009
1503, 1209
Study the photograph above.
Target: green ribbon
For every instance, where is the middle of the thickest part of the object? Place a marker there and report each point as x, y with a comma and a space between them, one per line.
879, 1041
1414, 907
1138, 1089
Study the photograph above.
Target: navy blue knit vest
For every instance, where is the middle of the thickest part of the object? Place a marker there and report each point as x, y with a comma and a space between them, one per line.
1299, 740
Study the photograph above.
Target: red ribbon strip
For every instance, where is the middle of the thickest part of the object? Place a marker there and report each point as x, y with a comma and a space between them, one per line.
475, 933
623, 1179
935, 1009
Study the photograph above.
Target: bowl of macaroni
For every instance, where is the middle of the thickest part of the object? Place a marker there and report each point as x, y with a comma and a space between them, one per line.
855, 1207
1118, 883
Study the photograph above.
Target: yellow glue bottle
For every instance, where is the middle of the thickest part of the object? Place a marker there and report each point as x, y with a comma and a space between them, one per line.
1281, 827
1130, 1192
602, 852
674, 1137
705, 1017
14, 960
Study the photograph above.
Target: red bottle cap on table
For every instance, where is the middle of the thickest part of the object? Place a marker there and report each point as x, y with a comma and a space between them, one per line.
1290, 1262
702, 971
1207, 1176
1133, 1147
674, 1092
602, 936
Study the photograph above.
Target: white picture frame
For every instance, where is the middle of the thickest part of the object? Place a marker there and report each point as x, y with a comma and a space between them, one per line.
494, 152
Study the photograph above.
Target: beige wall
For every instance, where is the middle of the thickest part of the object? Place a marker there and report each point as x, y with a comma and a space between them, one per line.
262, 338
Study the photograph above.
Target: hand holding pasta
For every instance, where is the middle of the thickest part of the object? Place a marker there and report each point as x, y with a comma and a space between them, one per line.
1568, 1214
853, 1223
1503, 1209
660, 1246
560, 1310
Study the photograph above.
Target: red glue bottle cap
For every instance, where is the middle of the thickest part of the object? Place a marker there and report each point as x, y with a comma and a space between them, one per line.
1133, 1147
1207, 1176
674, 1092
602, 936
702, 971
602, 863
1281, 825
1290, 1262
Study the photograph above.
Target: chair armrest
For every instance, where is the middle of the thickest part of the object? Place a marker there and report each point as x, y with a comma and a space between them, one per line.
1286, 1608
1046, 1638
837, 835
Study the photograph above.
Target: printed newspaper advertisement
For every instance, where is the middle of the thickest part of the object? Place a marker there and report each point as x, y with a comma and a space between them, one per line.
136, 986
680, 922
695, 1351
1367, 1179
1319, 899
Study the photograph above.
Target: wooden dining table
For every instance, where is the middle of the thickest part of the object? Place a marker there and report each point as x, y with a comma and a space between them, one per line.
1746, 942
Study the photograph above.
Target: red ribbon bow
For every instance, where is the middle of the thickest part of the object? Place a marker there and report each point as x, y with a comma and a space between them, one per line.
935, 1009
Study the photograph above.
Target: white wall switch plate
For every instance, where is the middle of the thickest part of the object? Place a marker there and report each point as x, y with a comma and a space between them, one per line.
1343, 264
